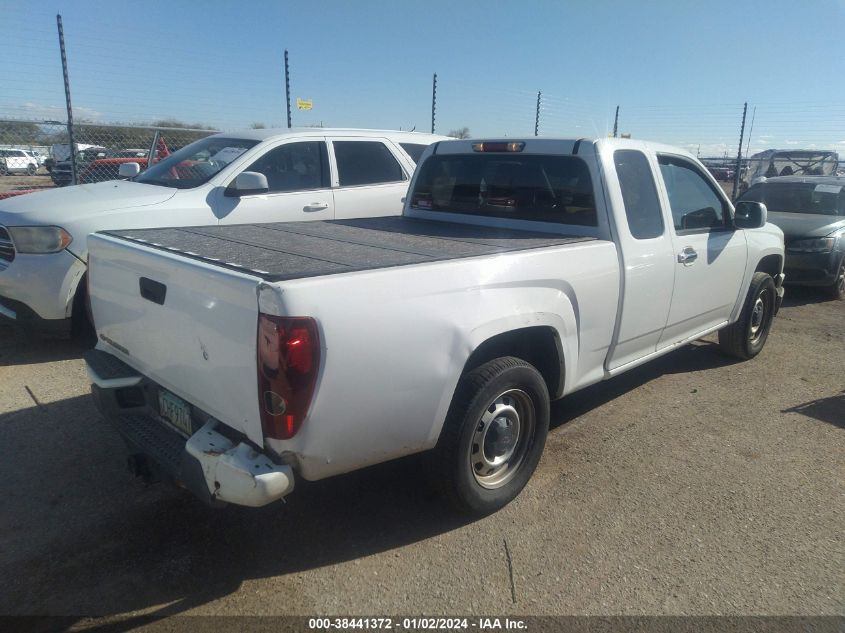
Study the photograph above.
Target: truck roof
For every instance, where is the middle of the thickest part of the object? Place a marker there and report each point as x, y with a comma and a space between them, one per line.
293, 250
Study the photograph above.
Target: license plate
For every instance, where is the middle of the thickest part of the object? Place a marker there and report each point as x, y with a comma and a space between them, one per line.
175, 410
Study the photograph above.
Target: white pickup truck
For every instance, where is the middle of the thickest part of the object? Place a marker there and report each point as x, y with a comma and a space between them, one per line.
232, 358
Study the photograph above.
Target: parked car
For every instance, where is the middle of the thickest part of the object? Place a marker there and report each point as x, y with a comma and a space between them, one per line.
17, 161
252, 176
234, 358
104, 169
811, 212
61, 172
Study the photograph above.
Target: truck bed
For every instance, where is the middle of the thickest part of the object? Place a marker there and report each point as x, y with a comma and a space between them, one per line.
294, 250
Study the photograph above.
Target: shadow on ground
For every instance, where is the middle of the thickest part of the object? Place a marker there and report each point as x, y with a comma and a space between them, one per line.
830, 410
804, 295
86, 538
697, 356
19, 347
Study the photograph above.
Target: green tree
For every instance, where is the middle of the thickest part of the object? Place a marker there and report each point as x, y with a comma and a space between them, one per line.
20, 133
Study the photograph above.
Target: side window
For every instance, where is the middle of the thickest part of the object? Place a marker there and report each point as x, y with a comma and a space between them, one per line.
366, 163
414, 150
294, 167
695, 205
642, 206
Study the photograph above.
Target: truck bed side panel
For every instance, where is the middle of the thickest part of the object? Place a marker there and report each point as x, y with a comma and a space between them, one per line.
396, 340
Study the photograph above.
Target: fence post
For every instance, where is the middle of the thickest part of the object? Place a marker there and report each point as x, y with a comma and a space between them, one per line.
537, 115
152, 153
616, 123
287, 86
433, 100
73, 174
739, 151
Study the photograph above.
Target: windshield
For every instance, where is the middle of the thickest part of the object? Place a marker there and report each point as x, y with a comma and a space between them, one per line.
196, 163
799, 197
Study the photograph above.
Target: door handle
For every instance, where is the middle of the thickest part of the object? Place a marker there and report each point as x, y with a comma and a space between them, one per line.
687, 256
316, 206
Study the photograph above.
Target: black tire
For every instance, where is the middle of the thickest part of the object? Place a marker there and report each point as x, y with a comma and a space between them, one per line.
746, 337
837, 290
513, 396
31, 169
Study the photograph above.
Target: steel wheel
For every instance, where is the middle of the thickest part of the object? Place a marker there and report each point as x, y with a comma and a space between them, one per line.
501, 438
840, 280
758, 318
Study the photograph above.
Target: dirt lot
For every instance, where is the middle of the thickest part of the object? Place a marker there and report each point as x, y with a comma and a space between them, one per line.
694, 485
14, 182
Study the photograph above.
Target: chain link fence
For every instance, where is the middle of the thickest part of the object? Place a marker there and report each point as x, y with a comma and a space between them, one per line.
36, 155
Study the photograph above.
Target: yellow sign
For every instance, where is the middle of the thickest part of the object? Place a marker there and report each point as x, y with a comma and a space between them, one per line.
304, 104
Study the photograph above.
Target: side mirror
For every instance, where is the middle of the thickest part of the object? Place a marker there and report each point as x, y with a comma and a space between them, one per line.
750, 215
128, 170
248, 183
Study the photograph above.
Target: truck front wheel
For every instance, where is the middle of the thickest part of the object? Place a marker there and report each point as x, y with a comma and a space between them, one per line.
745, 338
493, 436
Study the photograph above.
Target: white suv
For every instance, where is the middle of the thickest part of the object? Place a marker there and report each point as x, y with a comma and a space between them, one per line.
246, 177
17, 161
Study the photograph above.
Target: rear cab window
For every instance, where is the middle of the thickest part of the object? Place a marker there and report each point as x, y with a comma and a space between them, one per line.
534, 187
639, 194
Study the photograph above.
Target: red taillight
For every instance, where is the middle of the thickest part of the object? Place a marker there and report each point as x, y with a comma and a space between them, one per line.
288, 362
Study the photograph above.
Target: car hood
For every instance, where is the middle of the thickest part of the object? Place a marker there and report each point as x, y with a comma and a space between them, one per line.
65, 205
799, 225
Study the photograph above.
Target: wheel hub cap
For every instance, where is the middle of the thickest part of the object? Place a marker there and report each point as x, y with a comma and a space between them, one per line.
501, 438
758, 317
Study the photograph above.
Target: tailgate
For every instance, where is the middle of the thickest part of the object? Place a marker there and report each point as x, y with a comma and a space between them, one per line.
188, 325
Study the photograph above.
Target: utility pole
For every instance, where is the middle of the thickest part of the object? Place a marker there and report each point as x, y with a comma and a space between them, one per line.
537, 115
287, 86
739, 151
616, 123
433, 100
67, 100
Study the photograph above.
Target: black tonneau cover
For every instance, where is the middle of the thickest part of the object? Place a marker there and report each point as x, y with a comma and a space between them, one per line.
293, 250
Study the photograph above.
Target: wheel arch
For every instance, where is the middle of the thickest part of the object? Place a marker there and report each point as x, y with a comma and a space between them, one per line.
771, 264
539, 345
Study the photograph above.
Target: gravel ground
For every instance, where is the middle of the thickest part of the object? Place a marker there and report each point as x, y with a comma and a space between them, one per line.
693, 485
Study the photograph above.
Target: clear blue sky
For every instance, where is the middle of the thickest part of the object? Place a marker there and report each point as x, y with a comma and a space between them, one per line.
679, 70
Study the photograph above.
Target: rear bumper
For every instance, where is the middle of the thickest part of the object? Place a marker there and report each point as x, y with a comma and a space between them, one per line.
211, 464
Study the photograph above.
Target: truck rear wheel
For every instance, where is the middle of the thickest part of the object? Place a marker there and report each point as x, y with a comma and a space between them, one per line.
746, 337
493, 436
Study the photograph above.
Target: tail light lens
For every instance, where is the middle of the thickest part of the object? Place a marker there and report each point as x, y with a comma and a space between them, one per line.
288, 362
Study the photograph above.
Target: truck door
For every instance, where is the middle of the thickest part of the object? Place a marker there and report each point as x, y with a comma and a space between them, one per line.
646, 253
298, 177
710, 255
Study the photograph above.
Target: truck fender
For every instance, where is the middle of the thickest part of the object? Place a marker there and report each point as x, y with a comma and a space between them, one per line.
760, 260
564, 327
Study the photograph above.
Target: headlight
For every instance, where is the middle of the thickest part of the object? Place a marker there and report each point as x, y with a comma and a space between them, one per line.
39, 239
820, 245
